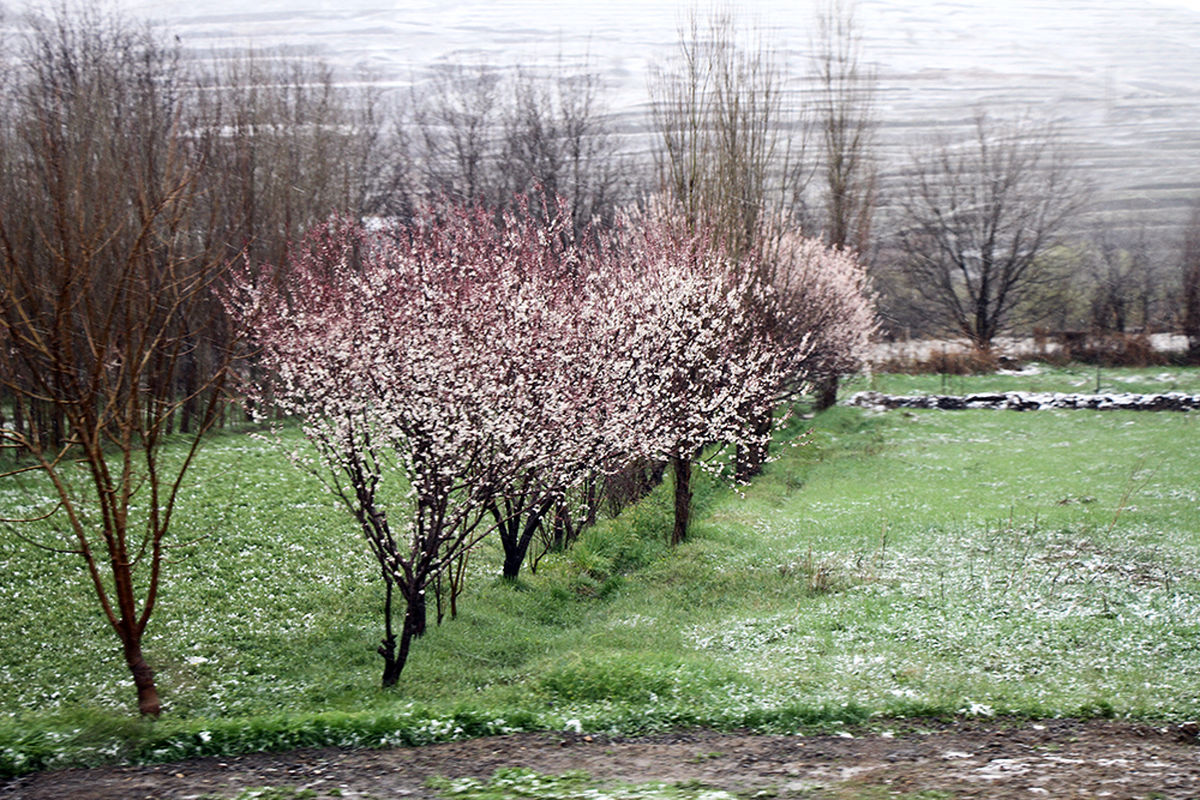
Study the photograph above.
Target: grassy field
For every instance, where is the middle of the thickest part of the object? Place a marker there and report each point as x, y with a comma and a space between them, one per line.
895, 564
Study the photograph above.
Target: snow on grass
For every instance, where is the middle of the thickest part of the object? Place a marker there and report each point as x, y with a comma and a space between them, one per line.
896, 564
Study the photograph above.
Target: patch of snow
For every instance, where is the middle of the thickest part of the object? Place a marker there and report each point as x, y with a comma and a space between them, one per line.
999, 768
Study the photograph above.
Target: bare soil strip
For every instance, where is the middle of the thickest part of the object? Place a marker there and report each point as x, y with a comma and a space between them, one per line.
965, 759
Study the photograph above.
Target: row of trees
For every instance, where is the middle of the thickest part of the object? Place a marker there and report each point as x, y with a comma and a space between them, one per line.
974, 235
993, 233
463, 373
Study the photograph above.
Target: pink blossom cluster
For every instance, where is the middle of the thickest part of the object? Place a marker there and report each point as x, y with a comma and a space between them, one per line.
824, 297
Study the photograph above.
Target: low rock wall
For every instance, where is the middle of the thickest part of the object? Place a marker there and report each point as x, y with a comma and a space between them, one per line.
1032, 401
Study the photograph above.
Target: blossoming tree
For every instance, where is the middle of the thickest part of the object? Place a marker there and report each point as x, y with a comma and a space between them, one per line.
701, 366
439, 370
821, 313
461, 374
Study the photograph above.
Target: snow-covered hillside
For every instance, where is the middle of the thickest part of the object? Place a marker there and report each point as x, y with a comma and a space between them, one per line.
1123, 76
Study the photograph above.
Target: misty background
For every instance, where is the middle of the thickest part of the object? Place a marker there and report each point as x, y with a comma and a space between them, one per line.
1121, 78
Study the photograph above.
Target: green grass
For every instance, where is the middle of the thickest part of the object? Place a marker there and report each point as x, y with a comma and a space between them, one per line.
897, 564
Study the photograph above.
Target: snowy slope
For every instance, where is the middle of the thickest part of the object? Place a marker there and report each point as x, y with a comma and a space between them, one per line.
1123, 76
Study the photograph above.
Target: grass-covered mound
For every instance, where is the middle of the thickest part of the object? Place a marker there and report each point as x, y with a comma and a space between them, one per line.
896, 564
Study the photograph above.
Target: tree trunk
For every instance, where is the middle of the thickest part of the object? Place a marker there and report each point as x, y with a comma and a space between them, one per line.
510, 540
518, 538
826, 390
416, 614
514, 556
414, 625
387, 648
414, 621
189, 388
750, 458
18, 416
143, 676
683, 497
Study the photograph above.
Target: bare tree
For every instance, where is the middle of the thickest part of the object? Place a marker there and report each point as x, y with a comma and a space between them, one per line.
1124, 278
294, 147
506, 137
1190, 294
105, 271
725, 154
979, 219
846, 121
556, 144
457, 120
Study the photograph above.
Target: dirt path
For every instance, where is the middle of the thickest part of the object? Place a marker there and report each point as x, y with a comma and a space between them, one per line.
968, 759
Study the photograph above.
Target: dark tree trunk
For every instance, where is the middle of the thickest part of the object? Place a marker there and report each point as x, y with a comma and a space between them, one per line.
406, 635
143, 676
416, 614
683, 497
18, 416
516, 544
750, 458
591, 498
514, 556
826, 392
189, 380
387, 648
414, 621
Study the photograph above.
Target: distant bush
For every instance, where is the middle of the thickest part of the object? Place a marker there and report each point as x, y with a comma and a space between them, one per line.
1117, 350
947, 362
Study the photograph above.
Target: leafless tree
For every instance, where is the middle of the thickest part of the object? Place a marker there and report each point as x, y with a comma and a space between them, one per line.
846, 121
1124, 278
979, 219
556, 143
1190, 288
105, 267
725, 154
455, 134
294, 147
482, 134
